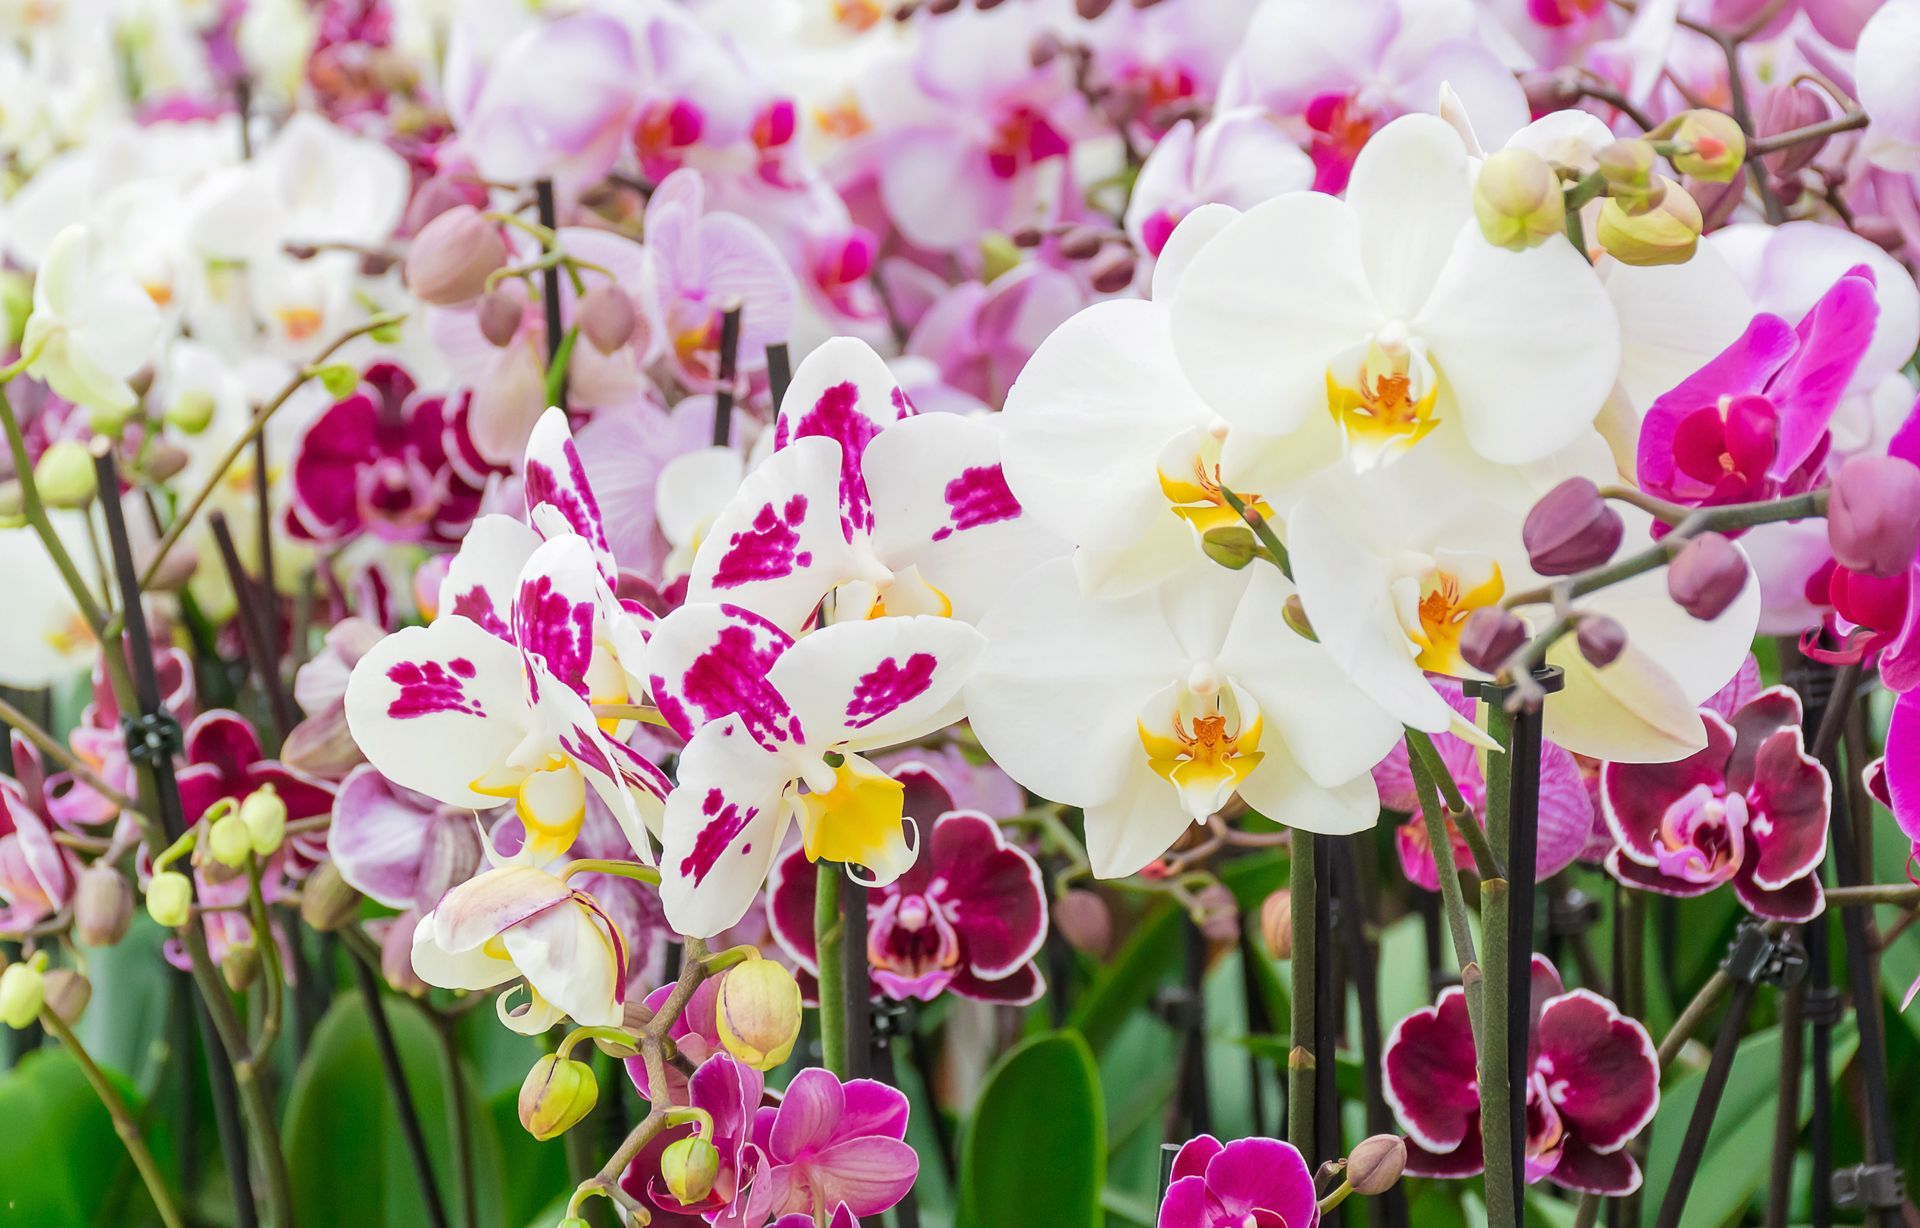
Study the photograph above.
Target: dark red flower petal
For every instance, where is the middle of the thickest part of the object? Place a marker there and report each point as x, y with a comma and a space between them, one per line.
1635, 796
1600, 1068
1430, 1066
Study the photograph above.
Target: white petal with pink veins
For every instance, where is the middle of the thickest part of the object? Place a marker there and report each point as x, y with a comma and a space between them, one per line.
724, 823
555, 477
710, 661
553, 614
866, 685
437, 707
484, 576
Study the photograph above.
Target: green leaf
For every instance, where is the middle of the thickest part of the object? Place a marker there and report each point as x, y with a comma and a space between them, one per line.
347, 1156
65, 1166
1035, 1149
1740, 1145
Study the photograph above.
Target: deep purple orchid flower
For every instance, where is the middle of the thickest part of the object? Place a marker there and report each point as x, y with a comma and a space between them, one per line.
1249, 1183
387, 460
968, 917
1752, 423
1593, 1083
225, 761
832, 1143
1566, 807
1750, 808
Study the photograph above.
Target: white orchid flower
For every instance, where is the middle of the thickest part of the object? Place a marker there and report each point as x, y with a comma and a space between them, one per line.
1150, 711
778, 730
90, 329
47, 640
1390, 313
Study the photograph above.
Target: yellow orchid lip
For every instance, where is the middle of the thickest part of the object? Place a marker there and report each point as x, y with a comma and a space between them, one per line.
1207, 750
858, 821
551, 800
1444, 607
1386, 404
1195, 493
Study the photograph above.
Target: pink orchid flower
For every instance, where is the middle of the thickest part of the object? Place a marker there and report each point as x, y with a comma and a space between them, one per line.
733, 1093
843, 1217
1566, 808
968, 917
387, 459
1239, 158
1752, 423
980, 337
868, 505
1593, 1084
1248, 1183
37, 876
1750, 809
695, 1036
832, 1143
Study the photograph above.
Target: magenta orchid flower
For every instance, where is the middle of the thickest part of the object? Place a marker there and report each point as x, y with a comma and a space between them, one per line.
37, 876
225, 762
777, 730
842, 1217
1593, 1083
1566, 807
379, 461
969, 917
695, 1035
733, 1094
1750, 809
1248, 1183
881, 510
1752, 423
832, 1143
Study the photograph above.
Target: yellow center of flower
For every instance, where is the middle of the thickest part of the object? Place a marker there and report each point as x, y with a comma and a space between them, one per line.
1190, 479
1445, 602
1203, 743
1384, 401
858, 820
550, 798
857, 15
299, 323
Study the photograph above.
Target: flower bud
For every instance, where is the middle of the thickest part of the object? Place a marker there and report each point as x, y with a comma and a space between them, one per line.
1787, 108
1571, 529
1601, 639
1218, 914
449, 260
1491, 637
606, 317
1091, 10
1518, 200
1376, 1164
1111, 271
1627, 167
326, 901
240, 965
265, 818
102, 906
1231, 546
1276, 924
65, 475
1085, 921
1294, 611
23, 991
192, 411
499, 316
228, 842
169, 898
688, 1166
1873, 515
759, 1013
163, 460
1706, 576
67, 994
1082, 242
557, 1093
1664, 234
1707, 144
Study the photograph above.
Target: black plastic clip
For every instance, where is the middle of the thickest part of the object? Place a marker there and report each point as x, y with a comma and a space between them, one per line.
1759, 958
1822, 1005
1572, 914
152, 737
1179, 1006
1864, 1187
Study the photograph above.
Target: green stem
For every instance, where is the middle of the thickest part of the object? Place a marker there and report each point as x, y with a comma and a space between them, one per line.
272, 985
1496, 1085
459, 1128
829, 956
1262, 530
622, 869
1485, 860
1453, 900
1300, 1060
123, 1122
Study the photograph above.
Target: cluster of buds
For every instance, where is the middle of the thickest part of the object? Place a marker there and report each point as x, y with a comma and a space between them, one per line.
1107, 253
1645, 217
253, 828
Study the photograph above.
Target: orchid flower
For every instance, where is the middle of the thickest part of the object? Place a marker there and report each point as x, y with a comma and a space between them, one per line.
776, 731
225, 762
90, 329
831, 1143
37, 876
1750, 809
879, 510
1251, 1181
1240, 157
1593, 1083
1151, 711
47, 639
1392, 314
731, 1093
968, 917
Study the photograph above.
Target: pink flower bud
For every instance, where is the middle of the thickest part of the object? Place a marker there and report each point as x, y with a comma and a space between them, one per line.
1082, 242
449, 260
499, 317
1491, 637
1091, 9
102, 907
1873, 515
606, 317
1571, 529
1784, 108
1085, 921
1706, 576
1601, 639
1111, 271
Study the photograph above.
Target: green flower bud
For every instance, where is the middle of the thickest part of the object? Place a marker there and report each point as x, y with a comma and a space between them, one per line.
338, 379
16, 304
688, 1166
1665, 234
1627, 167
1231, 546
169, 898
228, 842
1518, 200
192, 411
65, 474
23, 991
240, 965
759, 1013
558, 1092
265, 818
109, 421
327, 902
1707, 144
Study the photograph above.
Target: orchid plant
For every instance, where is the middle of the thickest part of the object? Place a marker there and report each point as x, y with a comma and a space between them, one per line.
907, 612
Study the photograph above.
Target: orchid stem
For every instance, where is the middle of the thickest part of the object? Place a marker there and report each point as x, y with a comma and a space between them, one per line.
123, 1122
1304, 881
1453, 899
1486, 861
827, 934
1495, 1051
